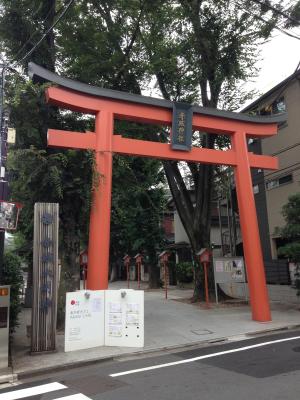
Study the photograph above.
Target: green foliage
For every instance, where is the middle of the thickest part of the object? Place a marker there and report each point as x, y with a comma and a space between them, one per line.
12, 275
291, 232
185, 272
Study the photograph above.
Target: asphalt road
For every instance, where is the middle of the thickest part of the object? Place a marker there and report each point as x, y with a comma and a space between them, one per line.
266, 368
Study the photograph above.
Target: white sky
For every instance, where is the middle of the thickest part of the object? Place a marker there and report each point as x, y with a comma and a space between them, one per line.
279, 59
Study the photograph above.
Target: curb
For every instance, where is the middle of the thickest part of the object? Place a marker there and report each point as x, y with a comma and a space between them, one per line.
204, 343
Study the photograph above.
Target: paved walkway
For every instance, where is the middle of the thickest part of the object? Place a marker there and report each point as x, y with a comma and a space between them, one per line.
168, 324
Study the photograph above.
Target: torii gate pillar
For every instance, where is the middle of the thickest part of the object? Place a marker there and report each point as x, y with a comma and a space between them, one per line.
99, 231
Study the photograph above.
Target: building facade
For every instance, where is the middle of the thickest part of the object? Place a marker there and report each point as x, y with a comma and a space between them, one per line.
273, 188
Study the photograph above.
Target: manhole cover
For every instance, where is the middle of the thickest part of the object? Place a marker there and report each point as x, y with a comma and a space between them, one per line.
202, 332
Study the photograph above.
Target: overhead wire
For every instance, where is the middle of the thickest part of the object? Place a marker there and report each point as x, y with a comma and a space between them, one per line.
266, 21
14, 63
275, 9
33, 34
45, 34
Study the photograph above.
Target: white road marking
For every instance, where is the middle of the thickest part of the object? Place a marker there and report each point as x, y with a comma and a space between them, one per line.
78, 396
189, 360
32, 391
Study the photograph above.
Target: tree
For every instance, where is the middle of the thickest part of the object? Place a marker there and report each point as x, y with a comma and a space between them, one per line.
291, 233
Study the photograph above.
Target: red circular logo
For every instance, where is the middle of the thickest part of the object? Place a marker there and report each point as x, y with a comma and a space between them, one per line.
72, 302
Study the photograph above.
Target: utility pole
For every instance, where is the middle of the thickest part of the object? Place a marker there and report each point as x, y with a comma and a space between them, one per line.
3, 156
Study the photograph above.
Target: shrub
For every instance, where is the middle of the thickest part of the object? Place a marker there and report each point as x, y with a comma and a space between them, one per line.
185, 272
12, 275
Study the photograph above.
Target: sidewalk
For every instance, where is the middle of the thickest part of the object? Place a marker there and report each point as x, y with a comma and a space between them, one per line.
168, 324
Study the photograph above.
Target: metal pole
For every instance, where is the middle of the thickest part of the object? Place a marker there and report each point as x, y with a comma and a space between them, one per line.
220, 226
206, 285
229, 226
2, 179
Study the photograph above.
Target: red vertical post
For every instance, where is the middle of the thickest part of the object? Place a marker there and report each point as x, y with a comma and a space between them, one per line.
99, 233
250, 232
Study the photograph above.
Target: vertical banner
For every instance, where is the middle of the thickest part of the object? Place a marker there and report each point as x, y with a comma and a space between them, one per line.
182, 126
45, 277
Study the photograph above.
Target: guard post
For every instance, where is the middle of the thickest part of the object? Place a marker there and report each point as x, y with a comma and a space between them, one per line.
204, 258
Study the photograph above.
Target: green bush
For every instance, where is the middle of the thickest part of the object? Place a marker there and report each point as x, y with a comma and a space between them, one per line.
12, 275
185, 272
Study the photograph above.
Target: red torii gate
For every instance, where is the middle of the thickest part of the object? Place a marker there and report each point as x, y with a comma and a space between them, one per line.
108, 105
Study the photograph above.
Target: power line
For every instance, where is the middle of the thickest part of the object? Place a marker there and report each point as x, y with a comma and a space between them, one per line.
276, 10
45, 34
32, 35
266, 21
11, 65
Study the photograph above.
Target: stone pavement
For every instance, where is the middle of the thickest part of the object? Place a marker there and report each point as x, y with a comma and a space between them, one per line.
169, 324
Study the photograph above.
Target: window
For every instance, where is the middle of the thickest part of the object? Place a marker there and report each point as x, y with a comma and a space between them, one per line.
278, 106
279, 181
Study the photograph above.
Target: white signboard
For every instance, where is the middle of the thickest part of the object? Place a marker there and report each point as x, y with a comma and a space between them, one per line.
229, 269
84, 320
124, 318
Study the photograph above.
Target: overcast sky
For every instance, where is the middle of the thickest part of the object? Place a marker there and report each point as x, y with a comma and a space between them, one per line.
280, 57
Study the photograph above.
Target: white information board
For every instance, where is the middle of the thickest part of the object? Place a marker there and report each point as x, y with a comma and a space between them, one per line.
124, 318
229, 270
84, 326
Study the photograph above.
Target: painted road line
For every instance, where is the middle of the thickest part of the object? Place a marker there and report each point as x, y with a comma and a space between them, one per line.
78, 396
32, 391
189, 360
